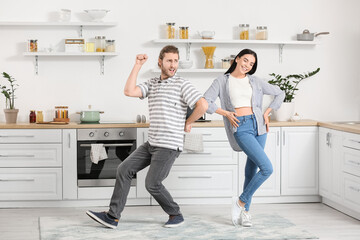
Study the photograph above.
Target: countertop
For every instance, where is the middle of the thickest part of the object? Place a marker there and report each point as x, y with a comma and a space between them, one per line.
355, 128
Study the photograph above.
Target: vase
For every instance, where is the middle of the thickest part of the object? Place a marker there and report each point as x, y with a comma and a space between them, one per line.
285, 112
11, 115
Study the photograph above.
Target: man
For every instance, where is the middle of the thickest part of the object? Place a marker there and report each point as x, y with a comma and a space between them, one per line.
168, 99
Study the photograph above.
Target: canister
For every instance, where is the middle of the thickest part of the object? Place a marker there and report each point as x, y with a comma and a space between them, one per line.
261, 33
110, 46
170, 30
184, 32
225, 63
100, 43
244, 31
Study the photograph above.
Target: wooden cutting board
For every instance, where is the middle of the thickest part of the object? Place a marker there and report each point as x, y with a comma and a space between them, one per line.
58, 123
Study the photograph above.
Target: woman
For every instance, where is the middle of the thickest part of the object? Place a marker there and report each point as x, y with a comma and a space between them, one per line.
241, 96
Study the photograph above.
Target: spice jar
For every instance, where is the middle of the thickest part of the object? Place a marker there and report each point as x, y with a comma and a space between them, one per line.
184, 32
100, 43
32, 45
32, 116
110, 46
39, 117
261, 33
225, 63
244, 31
170, 30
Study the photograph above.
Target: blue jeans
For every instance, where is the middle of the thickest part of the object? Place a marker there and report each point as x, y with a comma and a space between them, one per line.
252, 144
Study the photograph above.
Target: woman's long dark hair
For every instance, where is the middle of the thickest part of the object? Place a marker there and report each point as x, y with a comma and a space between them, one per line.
243, 52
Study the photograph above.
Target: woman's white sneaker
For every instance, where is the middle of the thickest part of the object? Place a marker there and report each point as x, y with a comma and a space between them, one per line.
236, 210
245, 219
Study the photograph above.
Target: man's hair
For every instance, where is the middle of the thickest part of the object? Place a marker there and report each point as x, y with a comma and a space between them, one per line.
168, 49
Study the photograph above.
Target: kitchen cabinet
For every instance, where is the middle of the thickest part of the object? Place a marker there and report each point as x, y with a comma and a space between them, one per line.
81, 26
299, 161
31, 164
70, 189
330, 164
189, 42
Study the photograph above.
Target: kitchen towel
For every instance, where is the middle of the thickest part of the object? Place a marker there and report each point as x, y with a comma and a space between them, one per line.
97, 152
193, 142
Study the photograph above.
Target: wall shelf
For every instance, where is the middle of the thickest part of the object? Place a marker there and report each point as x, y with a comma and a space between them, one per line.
188, 43
102, 56
194, 70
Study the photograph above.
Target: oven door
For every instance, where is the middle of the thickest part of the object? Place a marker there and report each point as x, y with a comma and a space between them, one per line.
104, 173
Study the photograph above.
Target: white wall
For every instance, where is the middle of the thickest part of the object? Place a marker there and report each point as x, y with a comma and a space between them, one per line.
333, 94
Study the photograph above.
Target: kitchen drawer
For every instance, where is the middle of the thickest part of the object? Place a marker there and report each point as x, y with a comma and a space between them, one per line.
202, 181
351, 140
30, 155
351, 161
214, 153
30, 136
352, 192
101, 192
211, 134
30, 184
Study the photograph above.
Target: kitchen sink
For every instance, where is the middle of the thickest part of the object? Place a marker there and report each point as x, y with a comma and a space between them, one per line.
348, 122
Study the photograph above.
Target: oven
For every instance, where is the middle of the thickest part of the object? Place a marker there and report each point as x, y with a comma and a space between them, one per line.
119, 143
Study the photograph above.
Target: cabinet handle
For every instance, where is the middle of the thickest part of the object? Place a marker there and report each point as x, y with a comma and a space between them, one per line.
18, 180
194, 176
278, 137
17, 155
284, 138
111, 145
17, 136
354, 162
327, 139
354, 140
69, 136
195, 153
354, 189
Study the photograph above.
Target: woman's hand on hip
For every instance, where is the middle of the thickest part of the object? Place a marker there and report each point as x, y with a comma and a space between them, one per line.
232, 118
267, 122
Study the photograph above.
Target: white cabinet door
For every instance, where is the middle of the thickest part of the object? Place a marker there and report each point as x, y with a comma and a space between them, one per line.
325, 163
299, 161
271, 187
69, 164
141, 192
30, 136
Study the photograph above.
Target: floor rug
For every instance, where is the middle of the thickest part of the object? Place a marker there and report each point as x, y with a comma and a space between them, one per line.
265, 227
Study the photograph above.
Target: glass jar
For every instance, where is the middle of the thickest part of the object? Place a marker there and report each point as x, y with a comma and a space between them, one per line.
32, 45
232, 58
100, 43
244, 31
261, 33
184, 32
39, 117
225, 63
61, 112
170, 30
90, 47
110, 46
32, 116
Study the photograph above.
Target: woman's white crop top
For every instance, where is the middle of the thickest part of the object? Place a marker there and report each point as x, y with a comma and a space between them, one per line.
240, 91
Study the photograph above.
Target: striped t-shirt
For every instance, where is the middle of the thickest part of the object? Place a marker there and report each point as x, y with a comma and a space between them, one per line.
168, 100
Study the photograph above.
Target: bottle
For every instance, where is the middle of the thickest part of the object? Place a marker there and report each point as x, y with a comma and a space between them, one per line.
32, 116
244, 31
39, 117
261, 33
170, 30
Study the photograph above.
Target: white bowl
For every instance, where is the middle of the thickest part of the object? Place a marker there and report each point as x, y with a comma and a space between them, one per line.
97, 14
185, 64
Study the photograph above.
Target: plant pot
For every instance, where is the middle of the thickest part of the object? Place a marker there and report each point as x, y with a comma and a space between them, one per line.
11, 115
285, 112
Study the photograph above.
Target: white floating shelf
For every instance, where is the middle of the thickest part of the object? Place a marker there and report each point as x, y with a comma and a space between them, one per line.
235, 41
60, 54
102, 56
195, 70
77, 24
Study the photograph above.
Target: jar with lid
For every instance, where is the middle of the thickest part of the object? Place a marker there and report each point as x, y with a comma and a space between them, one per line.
244, 31
39, 117
261, 33
225, 63
170, 30
110, 46
32, 116
100, 43
32, 45
183, 32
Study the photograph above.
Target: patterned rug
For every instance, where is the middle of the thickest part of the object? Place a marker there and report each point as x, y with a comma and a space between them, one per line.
265, 227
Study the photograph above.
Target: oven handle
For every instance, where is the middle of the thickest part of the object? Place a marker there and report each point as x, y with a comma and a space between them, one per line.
111, 145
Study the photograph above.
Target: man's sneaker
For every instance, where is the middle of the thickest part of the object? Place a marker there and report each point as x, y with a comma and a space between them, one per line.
103, 218
245, 219
235, 211
174, 221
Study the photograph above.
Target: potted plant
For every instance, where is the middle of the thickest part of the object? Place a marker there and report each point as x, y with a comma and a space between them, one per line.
288, 84
9, 93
